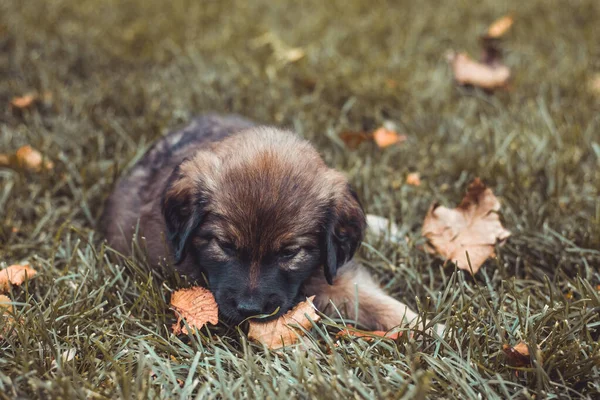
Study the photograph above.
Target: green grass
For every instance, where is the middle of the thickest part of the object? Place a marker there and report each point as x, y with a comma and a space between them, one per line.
124, 73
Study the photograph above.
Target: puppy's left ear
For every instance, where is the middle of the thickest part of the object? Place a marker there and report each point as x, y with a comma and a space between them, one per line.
184, 204
344, 230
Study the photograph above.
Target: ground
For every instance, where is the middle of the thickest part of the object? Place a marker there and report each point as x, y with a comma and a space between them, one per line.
122, 74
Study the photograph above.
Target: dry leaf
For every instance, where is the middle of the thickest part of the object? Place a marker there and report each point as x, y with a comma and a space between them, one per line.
354, 139
490, 76
25, 101
281, 332
499, 27
196, 306
368, 335
29, 158
518, 355
16, 275
413, 179
474, 227
386, 137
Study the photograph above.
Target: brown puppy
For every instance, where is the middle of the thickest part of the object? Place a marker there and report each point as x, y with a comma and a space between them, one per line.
258, 213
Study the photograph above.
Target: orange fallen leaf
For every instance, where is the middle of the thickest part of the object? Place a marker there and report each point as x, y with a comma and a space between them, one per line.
368, 335
29, 158
413, 179
518, 355
281, 332
15, 275
354, 139
25, 101
467, 71
499, 27
384, 137
197, 306
473, 227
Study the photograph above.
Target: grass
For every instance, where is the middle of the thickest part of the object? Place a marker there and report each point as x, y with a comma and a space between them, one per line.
122, 74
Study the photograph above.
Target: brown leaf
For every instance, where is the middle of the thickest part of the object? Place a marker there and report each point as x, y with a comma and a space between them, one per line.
197, 306
25, 101
368, 335
384, 137
490, 76
354, 139
29, 158
16, 275
474, 227
281, 332
413, 179
518, 355
499, 27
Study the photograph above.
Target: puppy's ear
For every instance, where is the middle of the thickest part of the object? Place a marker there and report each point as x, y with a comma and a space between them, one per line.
344, 230
184, 204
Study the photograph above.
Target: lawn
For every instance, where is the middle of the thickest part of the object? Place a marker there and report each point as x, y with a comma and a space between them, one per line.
117, 75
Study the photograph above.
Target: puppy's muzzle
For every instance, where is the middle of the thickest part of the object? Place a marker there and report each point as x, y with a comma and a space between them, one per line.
253, 305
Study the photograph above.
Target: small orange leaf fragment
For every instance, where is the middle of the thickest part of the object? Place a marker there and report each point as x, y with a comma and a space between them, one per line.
15, 275
384, 137
499, 27
354, 139
29, 158
281, 332
470, 72
413, 179
518, 355
24, 102
197, 306
473, 227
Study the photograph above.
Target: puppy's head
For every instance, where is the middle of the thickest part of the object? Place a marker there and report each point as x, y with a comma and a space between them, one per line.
258, 214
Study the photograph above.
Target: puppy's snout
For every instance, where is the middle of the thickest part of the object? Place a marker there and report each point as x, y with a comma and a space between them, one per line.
251, 306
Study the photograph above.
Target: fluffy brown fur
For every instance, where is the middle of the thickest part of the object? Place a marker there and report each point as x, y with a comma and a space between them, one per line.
256, 211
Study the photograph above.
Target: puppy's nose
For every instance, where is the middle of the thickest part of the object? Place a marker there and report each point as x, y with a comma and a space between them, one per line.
249, 307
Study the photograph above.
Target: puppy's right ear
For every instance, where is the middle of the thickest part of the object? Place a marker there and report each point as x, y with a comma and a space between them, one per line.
184, 204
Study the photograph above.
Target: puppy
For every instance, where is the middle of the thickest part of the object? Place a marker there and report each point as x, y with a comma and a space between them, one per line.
255, 211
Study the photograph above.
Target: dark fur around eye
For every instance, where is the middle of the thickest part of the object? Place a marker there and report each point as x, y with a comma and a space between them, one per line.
289, 253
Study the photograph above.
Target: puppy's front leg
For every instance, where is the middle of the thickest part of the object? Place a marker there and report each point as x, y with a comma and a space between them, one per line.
376, 309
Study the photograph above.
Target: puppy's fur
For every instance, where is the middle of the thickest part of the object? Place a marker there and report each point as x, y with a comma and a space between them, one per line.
258, 213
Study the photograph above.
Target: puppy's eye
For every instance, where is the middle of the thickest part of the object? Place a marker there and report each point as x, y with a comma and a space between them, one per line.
228, 248
289, 253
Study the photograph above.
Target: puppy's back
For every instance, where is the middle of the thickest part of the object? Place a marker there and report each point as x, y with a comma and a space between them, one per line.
137, 192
